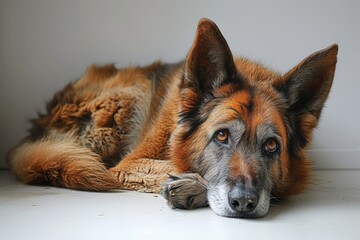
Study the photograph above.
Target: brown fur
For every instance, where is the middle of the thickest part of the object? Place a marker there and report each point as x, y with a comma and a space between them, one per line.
129, 128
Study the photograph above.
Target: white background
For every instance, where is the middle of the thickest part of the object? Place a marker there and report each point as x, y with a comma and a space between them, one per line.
44, 44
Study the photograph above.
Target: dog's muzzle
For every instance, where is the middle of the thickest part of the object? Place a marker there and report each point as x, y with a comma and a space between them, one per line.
239, 200
243, 200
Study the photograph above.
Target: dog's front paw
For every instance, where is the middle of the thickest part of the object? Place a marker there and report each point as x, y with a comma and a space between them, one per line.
186, 191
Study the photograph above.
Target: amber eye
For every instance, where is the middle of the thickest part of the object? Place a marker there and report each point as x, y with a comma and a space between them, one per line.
271, 145
222, 136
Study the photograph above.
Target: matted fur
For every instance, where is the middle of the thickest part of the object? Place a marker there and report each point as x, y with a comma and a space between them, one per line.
212, 130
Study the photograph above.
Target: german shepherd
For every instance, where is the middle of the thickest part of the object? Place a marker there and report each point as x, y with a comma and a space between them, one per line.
212, 130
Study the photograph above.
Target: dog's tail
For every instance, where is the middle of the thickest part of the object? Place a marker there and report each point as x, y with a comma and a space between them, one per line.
61, 162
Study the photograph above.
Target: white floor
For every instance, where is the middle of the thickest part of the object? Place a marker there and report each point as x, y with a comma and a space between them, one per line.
329, 210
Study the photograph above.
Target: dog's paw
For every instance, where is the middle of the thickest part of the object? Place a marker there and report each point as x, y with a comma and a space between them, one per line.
186, 191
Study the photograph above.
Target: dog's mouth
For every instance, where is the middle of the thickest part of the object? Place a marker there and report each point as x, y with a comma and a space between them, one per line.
226, 203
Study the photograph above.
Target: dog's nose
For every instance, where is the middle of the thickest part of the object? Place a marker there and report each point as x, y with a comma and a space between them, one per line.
242, 200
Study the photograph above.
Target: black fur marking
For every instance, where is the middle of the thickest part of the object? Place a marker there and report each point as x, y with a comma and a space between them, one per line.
37, 131
199, 114
195, 118
296, 139
250, 106
160, 73
295, 136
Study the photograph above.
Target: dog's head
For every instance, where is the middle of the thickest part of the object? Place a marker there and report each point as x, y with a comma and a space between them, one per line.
243, 127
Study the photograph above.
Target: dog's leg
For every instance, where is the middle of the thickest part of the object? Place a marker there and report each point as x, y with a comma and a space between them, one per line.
143, 175
186, 191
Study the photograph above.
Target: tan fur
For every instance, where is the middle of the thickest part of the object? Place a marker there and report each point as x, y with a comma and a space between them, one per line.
58, 160
123, 129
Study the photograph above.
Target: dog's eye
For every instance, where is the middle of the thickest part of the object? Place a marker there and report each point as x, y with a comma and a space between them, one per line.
222, 136
271, 145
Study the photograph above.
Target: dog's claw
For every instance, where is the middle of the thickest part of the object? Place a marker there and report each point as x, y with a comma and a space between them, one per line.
172, 177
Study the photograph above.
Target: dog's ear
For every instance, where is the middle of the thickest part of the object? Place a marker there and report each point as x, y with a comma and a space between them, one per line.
306, 88
209, 62
307, 85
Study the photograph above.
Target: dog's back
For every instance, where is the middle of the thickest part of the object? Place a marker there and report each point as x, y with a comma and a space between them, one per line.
91, 125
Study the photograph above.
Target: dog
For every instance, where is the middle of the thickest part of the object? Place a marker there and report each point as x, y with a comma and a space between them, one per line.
212, 130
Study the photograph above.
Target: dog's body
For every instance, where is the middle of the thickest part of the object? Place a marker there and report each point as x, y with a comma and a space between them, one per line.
211, 130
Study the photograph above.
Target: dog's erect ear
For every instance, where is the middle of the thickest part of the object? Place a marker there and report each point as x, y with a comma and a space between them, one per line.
209, 62
307, 86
